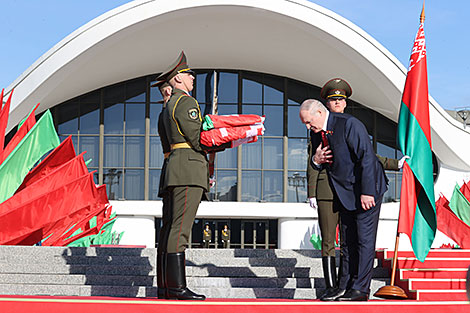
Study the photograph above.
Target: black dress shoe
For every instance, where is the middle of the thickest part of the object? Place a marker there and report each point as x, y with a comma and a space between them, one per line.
332, 293
353, 295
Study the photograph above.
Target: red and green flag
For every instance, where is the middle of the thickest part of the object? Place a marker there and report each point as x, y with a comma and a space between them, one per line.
37, 142
417, 208
460, 205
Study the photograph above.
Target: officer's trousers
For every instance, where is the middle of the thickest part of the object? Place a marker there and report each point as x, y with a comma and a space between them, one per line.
328, 219
166, 213
184, 202
166, 221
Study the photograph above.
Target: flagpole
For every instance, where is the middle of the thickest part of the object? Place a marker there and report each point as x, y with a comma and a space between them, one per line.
392, 291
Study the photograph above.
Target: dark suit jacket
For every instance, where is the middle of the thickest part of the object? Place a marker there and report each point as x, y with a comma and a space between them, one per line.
355, 170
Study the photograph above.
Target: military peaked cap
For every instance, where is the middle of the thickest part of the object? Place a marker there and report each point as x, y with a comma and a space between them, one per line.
336, 88
161, 84
179, 66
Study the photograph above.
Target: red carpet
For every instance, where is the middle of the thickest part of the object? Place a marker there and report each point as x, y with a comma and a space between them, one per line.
441, 277
17, 304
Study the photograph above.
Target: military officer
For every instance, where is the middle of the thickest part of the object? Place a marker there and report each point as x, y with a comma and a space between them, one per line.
226, 236
336, 91
206, 236
165, 90
186, 175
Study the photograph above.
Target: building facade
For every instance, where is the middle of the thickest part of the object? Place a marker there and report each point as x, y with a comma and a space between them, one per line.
267, 56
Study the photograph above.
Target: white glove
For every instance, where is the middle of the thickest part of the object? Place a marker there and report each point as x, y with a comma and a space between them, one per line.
212, 182
401, 162
313, 203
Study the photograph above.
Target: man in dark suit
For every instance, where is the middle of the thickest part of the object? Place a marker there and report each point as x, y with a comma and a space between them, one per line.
358, 181
336, 92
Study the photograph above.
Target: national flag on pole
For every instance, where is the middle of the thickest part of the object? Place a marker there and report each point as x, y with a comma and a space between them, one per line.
417, 208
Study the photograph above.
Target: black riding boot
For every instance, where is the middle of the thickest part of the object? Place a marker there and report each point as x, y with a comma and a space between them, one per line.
329, 272
161, 275
176, 278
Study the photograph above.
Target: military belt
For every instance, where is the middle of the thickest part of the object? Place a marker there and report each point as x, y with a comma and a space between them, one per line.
181, 145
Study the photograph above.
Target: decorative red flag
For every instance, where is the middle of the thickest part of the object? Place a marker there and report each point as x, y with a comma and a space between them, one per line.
62, 175
24, 129
57, 231
465, 190
60, 155
48, 208
449, 224
80, 219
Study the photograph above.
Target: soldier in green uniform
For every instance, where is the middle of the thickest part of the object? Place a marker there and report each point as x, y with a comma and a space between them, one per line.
165, 90
226, 237
186, 175
206, 236
336, 91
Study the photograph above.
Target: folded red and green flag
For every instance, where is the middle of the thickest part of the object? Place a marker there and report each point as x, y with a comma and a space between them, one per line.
211, 121
219, 136
236, 129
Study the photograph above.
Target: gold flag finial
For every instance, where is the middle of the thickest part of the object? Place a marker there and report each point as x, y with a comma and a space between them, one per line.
421, 18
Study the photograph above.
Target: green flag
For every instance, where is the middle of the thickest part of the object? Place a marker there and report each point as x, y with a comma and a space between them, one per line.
37, 142
460, 205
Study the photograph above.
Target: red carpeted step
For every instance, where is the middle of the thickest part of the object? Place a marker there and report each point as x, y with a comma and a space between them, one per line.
431, 263
441, 295
436, 284
434, 253
433, 273
149, 305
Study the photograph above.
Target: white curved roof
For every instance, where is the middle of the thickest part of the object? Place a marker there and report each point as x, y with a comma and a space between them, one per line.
291, 38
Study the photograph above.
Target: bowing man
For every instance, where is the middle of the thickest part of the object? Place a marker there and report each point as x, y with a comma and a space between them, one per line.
358, 182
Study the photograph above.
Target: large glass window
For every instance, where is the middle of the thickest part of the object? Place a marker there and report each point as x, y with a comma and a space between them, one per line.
128, 113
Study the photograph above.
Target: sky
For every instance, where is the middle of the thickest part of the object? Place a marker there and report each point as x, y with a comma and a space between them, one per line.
29, 28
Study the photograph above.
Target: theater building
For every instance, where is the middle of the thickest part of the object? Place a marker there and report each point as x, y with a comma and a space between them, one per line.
266, 58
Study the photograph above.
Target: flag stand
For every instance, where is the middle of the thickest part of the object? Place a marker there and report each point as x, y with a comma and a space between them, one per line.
392, 291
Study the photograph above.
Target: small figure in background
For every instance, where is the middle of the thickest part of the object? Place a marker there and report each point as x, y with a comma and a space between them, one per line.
226, 237
206, 236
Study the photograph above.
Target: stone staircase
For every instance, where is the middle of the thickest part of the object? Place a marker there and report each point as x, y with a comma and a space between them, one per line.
130, 272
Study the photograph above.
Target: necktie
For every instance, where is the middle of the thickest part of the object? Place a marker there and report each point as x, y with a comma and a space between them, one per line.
324, 139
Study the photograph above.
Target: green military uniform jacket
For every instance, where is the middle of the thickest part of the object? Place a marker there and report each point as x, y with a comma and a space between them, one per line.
182, 121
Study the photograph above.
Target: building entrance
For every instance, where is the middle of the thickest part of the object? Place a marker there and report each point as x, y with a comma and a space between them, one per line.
244, 234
